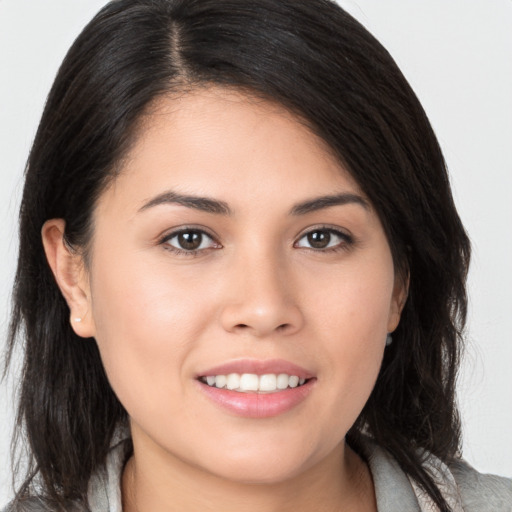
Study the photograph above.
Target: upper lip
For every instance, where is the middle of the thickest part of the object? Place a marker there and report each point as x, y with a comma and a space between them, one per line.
258, 367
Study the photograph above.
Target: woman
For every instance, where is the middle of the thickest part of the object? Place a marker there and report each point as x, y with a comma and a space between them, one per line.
247, 293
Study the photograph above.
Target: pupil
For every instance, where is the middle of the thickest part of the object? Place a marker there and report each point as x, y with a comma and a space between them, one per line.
190, 240
319, 239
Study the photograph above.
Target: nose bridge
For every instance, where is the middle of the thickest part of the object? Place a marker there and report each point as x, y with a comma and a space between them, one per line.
262, 298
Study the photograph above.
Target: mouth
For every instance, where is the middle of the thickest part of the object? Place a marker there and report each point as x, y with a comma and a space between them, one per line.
254, 383
256, 389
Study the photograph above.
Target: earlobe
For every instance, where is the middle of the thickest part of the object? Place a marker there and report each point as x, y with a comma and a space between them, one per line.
69, 272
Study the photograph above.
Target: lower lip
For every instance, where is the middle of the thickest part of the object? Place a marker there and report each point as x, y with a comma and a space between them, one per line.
258, 405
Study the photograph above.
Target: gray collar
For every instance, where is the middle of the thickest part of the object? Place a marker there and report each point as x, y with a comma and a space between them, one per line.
392, 486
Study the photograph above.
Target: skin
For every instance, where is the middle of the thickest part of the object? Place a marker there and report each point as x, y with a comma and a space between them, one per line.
257, 290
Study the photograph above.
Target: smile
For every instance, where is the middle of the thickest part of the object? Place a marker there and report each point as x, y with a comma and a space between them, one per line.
253, 383
255, 389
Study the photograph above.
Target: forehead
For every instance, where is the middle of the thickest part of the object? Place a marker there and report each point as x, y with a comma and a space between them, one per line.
229, 145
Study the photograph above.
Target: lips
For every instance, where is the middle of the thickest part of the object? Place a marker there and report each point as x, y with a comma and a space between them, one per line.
256, 389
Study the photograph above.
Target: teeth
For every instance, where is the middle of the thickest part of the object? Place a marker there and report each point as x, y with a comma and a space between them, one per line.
282, 381
233, 381
220, 381
251, 382
268, 382
293, 382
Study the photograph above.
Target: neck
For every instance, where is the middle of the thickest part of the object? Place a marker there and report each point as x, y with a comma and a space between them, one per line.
341, 481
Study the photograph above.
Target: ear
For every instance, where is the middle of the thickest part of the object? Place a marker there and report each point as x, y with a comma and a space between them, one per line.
70, 274
398, 299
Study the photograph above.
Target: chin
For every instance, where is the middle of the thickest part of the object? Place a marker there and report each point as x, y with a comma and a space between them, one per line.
263, 467
261, 473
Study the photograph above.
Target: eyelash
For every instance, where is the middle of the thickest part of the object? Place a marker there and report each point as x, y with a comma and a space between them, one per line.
184, 252
346, 243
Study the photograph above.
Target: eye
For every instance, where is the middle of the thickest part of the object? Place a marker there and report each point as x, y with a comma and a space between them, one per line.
324, 238
189, 241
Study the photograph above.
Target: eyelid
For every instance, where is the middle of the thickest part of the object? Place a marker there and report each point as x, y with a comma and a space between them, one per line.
348, 238
170, 234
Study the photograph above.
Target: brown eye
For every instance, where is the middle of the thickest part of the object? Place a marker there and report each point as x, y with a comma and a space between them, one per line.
319, 239
189, 240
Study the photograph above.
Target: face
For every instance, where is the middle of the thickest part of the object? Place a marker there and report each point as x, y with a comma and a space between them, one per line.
233, 243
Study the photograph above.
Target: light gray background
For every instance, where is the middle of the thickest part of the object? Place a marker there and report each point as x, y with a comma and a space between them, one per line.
457, 54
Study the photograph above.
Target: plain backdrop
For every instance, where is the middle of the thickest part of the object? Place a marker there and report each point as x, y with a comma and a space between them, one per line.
457, 55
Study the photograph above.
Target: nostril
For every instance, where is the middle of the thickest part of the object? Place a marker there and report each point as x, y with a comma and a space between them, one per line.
282, 327
261, 319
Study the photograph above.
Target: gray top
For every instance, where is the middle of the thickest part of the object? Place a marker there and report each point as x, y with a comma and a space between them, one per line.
463, 487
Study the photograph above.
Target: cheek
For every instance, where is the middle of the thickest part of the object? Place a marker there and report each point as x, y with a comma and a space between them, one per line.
352, 306
146, 326
351, 318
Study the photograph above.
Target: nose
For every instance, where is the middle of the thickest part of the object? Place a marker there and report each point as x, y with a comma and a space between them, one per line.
261, 298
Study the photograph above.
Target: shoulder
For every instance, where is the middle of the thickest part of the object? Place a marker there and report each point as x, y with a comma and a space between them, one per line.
462, 486
481, 492
104, 492
467, 490
36, 504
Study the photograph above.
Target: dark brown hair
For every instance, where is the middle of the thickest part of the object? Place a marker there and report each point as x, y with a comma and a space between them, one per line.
313, 58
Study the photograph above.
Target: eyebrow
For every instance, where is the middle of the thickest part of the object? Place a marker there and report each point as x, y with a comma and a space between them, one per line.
218, 207
320, 203
204, 204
